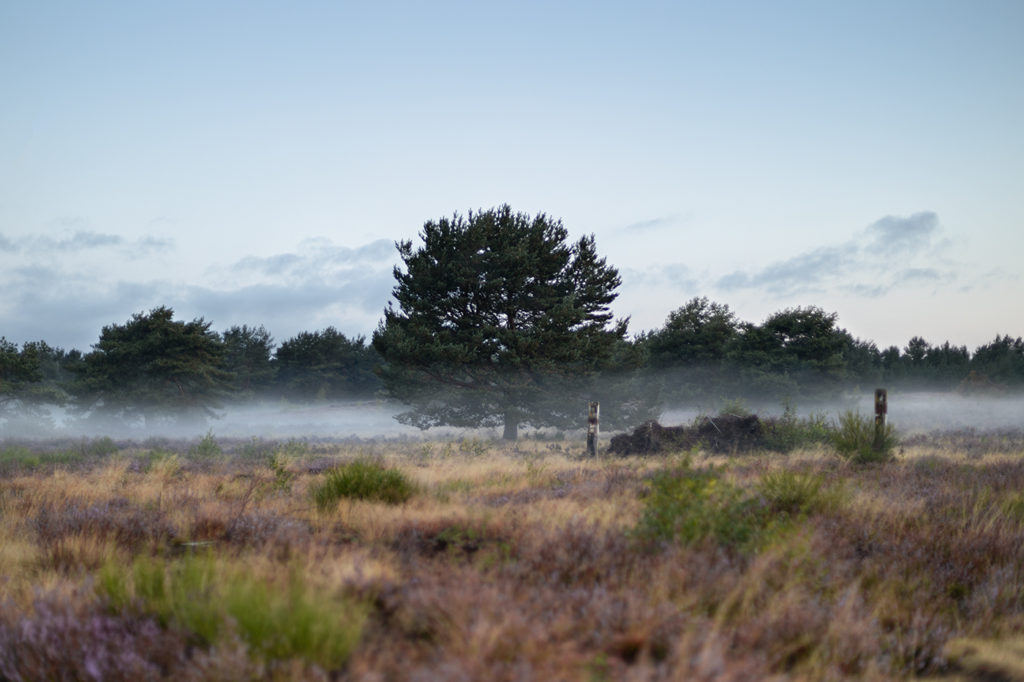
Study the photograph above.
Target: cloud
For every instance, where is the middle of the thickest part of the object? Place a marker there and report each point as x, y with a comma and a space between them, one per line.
803, 272
317, 259
674, 275
651, 224
67, 304
80, 241
911, 234
271, 266
153, 244
871, 264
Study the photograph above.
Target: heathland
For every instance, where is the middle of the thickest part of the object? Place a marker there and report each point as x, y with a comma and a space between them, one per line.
467, 559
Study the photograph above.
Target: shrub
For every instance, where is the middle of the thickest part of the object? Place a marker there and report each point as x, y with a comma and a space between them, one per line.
363, 479
98, 447
211, 600
690, 505
853, 437
61, 640
206, 447
789, 432
794, 493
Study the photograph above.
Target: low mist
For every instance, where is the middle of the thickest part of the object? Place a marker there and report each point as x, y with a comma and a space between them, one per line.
909, 412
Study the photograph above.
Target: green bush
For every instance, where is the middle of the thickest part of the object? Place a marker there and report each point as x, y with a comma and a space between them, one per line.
363, 479
690, 505
98, 447
853, 437
206, 447
793, 493
789, 432
210, 599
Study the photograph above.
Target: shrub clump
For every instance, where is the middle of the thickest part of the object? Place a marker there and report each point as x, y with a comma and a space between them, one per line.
690, 505
363, 479
794, 493
212, 600
854, 438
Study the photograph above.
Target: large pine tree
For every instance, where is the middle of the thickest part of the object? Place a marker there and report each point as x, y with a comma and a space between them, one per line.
499, 320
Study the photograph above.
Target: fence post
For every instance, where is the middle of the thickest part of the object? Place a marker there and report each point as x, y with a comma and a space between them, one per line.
593, 426
881, 408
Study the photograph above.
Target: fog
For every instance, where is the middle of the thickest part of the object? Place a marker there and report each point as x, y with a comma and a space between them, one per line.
909, 412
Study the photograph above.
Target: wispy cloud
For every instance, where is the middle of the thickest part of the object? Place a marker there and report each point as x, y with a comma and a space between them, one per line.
78, 242
317, 258
674, 275
904, 235
653, 224
68, 303
883, 256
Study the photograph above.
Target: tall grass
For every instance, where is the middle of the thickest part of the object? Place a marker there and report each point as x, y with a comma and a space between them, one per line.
689, 505
363, 479
854, 438
211, 599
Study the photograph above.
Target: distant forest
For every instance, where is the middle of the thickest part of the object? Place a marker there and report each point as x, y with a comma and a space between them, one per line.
155, 364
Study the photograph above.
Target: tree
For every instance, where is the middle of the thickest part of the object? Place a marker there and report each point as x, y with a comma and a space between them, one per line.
794, 348
1002, 360
154, 366
248, 355
695, 334
693, 342
24, 387
499, 320
326, 366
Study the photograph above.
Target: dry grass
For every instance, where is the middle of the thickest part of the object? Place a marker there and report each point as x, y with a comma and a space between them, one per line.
523, 562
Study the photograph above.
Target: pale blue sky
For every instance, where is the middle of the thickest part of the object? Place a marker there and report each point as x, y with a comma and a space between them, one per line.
254, 162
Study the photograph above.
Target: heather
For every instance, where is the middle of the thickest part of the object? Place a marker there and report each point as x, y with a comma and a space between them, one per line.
249, 559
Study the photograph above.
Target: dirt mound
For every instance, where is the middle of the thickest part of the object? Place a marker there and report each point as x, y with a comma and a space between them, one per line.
722, 434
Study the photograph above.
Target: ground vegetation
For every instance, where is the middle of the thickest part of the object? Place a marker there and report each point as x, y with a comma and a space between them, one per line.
190, 561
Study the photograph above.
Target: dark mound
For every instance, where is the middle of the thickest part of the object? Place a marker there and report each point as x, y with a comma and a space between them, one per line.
728, 433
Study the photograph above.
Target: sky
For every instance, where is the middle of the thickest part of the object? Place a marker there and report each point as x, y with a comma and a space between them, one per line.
255, 162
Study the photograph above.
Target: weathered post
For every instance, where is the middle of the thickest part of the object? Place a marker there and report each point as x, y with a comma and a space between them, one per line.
593, 426
881, 408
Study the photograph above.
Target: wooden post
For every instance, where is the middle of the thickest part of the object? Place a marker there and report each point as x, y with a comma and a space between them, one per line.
881, 408
593, 426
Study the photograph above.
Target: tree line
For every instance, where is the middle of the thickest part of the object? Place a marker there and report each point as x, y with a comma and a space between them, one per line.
497, 319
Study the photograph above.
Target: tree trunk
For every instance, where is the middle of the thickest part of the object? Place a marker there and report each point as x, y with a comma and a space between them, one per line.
511, 427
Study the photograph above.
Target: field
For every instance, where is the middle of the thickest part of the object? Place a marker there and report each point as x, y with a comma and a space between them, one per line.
471, 559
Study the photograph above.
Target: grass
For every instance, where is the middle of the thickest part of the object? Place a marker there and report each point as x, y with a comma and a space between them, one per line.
215, 599
510, 562
363, 479
857, 438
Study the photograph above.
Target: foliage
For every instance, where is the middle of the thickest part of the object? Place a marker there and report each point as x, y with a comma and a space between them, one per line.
790, 432
1002, 360
206, 447
24, 386
363, 479
797, 350
60, 640
154, 365
209, 599
325, 365
499, 321
689, 505
794, 493
854, 436
908, 571
692, 344
248, 356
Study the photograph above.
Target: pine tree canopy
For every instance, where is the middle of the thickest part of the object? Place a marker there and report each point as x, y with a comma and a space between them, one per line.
497, 317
